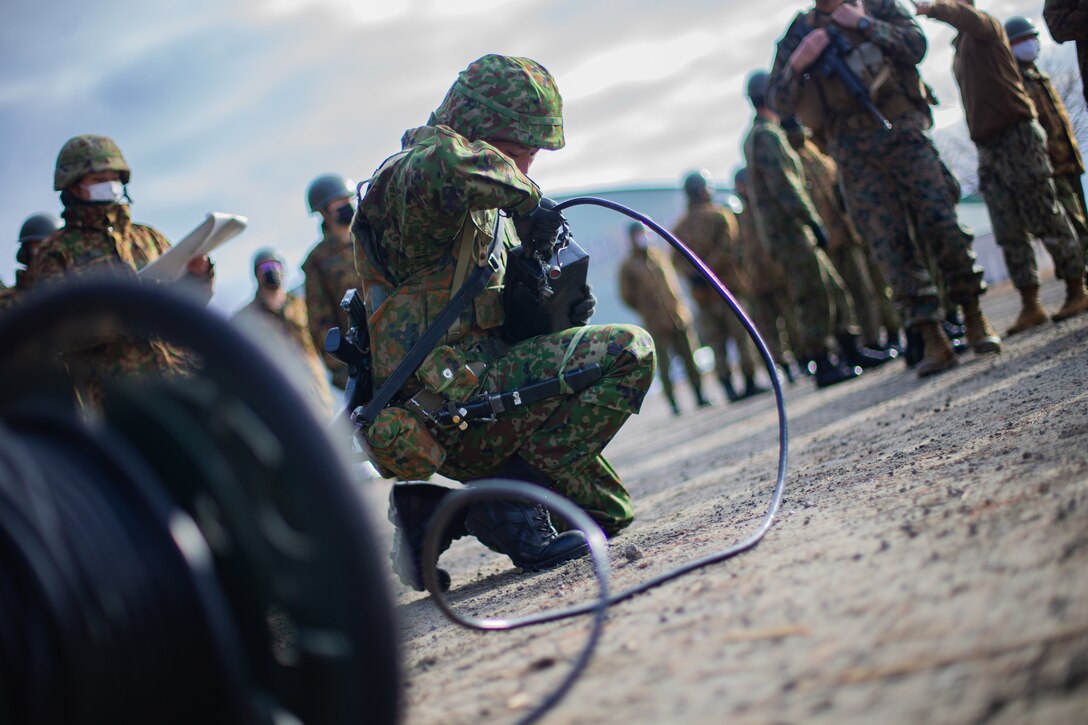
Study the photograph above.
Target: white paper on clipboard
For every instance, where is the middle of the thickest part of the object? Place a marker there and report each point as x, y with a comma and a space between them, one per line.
216, 228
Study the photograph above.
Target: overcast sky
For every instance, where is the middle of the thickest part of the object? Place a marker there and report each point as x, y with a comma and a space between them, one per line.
235, 105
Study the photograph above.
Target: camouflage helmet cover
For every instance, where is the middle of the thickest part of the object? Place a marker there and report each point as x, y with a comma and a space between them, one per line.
698, 183
88, 154
1018, 27
267, 254
37, 227
503, 97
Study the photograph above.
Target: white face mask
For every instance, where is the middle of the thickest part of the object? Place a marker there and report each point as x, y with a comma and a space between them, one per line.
1027, 50
105, 191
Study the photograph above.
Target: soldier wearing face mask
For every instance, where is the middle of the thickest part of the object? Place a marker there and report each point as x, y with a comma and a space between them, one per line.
330, 266
99, 237
285, 315
36, 228
1061, 141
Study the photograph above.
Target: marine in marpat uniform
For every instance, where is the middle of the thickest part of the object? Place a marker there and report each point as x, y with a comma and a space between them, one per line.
649, 286
710, 231
426, 208
36, 228
99, 237
882, 168
285, 316
792, 230
330, 267
1061, 140
1014, 171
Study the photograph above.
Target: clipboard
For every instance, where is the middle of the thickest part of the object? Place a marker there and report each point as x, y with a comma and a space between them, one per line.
211, 233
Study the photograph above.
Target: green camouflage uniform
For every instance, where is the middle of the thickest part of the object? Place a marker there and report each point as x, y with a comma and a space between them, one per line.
844, 246
883, 172
102, 239
768, 298
784, 214
710, 230
290, 323
1061, 146
447, 188
330, 272
648, 285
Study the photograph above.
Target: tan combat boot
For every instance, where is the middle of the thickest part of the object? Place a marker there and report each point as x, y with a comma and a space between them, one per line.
939, 355
1032, 313
1076, 300
980, 336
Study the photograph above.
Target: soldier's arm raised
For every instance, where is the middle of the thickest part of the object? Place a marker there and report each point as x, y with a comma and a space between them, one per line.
966, 19
896, 32
1067, 19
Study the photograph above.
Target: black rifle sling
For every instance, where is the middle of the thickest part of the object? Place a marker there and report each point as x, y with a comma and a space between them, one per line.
474, 285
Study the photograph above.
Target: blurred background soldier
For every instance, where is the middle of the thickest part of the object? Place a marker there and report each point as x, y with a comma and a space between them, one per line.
1014, 172
844, 246
793, 231
710, 230
769, 301
285, 315
649, 286
36, 228
1061, 140
881, 169
99, 237
330, 266
1068, 20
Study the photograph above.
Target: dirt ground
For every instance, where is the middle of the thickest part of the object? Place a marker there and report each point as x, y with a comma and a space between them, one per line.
929, 564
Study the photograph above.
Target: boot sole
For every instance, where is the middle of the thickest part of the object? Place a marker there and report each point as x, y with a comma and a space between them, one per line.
986, 346
929, 372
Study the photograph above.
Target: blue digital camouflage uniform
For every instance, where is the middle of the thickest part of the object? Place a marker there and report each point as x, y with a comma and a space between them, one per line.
448, 187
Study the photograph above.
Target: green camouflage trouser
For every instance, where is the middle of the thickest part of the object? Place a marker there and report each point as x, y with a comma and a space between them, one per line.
773, 315
717, 326
562, 437
881, 174
853, 267
1016, 178
680, 343
1071, 197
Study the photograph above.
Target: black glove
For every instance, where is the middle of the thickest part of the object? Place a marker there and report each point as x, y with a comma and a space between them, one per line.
539, 229
821, 236
582, 311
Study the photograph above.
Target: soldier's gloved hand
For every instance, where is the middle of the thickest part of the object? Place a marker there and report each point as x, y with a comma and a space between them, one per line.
821, 236
582, 311
539, 229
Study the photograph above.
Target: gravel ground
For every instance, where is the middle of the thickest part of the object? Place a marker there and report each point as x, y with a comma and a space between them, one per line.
928, 564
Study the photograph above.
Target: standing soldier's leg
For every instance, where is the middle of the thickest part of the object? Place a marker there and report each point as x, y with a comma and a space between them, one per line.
845, 320
1071, 197
683, 341
664, 346
746, 351
852, 266
714, 336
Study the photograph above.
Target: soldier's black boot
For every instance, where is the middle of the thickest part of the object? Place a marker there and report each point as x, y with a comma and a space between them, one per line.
411, 508
730, 391
701, 401
854, 354
788, 372
828, 372
915, 349
524, 532
751, 387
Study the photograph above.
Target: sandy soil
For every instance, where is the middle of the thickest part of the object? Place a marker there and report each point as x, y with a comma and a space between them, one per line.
930, 563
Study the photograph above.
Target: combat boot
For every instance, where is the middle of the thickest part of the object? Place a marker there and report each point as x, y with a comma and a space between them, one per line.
751, 388
938, 352
411, 508
828, 372
1031, 314
855, 355
700, 400
980, 336
1076, 300
915, 349
730, 391
524, 532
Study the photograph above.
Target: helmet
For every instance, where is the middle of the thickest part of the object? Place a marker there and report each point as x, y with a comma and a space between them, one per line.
740, 178
267, 254
502, 97
88, 154
1018, 27
698, 183
326, 189
38, 227
756, 86
635, 228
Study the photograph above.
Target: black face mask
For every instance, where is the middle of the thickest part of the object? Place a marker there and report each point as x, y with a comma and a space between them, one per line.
272, 278
344, 215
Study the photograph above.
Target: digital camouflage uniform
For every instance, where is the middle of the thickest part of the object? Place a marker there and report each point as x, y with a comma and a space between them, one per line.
844, 247
1061, 146
1068, 20
1014, 172
449, 185
102, 239
769, 301
710, 231
291, 324
330, 272
784, 215
648, 285
881, 171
